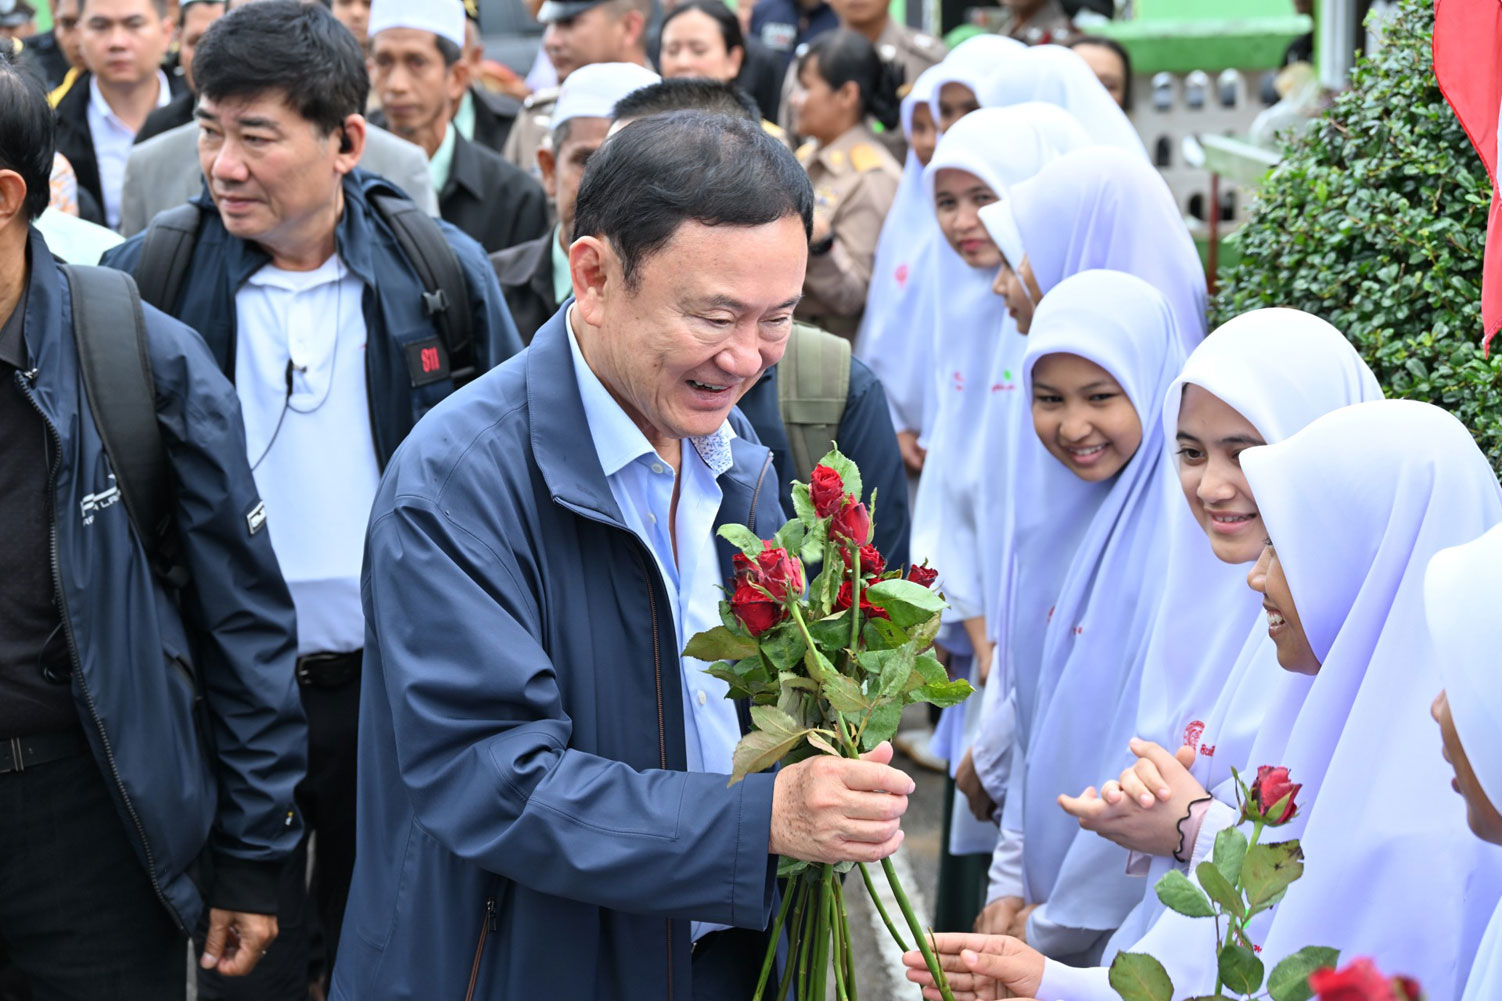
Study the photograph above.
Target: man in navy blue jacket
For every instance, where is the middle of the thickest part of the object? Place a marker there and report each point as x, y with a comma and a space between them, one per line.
149, 746
310, 305
544, 808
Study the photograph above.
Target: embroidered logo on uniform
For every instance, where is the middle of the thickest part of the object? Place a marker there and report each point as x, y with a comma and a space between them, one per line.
1192, 733
1006, 384
92, 504
1208, 751
901, 275
256, 520
959, 381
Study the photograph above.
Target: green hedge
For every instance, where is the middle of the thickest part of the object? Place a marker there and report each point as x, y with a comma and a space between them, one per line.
1376, 221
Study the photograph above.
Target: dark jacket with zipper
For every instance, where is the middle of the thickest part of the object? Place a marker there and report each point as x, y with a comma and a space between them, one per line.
526, 824
396, 325
193, 783
491, 200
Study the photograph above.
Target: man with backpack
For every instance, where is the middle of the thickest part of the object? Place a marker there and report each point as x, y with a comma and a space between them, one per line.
342, 314
150, 731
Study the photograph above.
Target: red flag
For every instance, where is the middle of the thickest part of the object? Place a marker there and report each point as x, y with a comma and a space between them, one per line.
1468, 65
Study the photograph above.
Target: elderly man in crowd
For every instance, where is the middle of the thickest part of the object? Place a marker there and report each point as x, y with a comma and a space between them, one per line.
544, 805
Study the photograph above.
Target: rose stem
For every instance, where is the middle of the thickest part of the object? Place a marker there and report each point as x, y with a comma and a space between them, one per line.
886, 919
855, 599
782, 912
806, 956
839, 899
837, 943
917, 929
819, 968
793, 946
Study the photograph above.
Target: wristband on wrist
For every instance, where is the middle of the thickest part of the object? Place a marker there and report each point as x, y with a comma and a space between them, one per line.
1185, 852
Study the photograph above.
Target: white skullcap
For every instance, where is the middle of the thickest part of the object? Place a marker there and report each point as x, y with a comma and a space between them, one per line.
592, 91
444, 18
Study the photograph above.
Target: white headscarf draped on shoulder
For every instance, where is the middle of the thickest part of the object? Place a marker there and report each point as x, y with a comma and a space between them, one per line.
893, 338
1057, 75
1465, 634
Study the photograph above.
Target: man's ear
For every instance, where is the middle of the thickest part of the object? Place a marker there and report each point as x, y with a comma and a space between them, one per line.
12, 199
459, 79
596, 276
549, 167
634, 23
349, 141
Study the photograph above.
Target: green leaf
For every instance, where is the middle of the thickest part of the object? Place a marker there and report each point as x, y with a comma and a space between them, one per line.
789, 867
1290, 978
882, 634
932, 671
1224, 893
844, 695
772, 720
1240, 969
1180, 895
831, 632
783, 645
819, 667
906, 602
723, 671
849, 472
790, 537
1136, 976
803, 506
883, 724
820, 739
1268, 870
719, 643
1229, 853
922, 635
743, 538
758, 751
942, 693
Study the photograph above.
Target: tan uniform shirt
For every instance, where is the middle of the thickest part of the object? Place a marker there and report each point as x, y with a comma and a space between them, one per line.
1049, 24
854, 180
532, 127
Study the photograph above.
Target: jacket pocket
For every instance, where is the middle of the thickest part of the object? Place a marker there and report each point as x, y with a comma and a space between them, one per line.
487, 925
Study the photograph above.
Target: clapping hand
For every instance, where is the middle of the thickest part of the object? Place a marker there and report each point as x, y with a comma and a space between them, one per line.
979, 967
1142, 809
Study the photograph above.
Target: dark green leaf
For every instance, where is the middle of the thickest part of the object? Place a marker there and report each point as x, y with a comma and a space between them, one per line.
850, 474
932, 671
943, 693
803, 506
1240, 969
1136, 976
787, 867
1219, 889
1268, 870
1290, 978
819, 667
783, 645
831, 632
906, 602
719, 643
923, 633
738, 688
790, 537
1180, 895
1229, 853
883, 724
881, 634
747, 541
844, 695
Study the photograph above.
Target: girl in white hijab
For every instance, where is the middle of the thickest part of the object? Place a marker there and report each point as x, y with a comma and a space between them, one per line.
1464, 635
894, 338
1056, 75
1102, 208
1356, 504
964, 73
1258, 379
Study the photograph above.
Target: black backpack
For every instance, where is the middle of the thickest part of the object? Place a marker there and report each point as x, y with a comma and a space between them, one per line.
170, 240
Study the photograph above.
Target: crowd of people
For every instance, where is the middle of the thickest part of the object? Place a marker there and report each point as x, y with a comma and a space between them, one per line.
354, 543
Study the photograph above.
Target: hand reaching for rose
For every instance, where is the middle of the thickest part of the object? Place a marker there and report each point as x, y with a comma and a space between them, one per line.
1127, 810
979, 967
999, 916
829, 809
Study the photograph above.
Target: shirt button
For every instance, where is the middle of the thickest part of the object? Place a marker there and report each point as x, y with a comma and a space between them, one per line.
652, 517
703, 698
657, 467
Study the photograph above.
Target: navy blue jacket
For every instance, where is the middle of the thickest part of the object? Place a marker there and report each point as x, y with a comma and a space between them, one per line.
392, 304
210, 783
783, 25
526, 826
865, 435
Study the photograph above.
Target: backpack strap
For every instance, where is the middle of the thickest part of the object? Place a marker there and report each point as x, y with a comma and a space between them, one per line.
445, 294
166, 251
813, 385
115, 367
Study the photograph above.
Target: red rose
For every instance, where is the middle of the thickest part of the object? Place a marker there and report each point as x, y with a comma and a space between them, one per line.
743, 567
1360, 981
757, 612
826, 490
871, 562
853, 522
925, 575
1408, 989
842, 602
1270, 786
779, 573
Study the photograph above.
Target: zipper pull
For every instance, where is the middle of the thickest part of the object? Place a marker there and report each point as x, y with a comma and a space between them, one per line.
490, 913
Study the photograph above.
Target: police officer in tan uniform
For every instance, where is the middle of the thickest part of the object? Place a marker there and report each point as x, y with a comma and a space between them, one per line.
843, 85
910, 50
579, 32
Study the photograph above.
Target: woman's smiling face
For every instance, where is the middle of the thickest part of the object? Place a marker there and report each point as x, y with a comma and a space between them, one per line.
1283, 625
1211, 438
1083, 416
958, 198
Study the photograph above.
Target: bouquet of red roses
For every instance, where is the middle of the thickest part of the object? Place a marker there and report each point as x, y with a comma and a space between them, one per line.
827, 665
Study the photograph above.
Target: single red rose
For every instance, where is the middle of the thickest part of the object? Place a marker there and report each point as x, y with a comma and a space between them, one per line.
743, 566
779, 573
871, 562
1359, 981
842, 602
827, 490
925, 575
1270, 786
756, 611
853, 522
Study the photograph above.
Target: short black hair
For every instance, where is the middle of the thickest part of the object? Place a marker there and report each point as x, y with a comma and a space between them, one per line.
845, 56
283, 46
651, 177
723, 16
1121, 53
28, 131
160, 6
450, 52
687, 94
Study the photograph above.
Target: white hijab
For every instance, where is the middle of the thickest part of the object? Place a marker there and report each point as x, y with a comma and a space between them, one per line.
893, 338
1102, 208
1357, 505
1094, 624
1058, 75
1465, 635
1209, 661
972, 63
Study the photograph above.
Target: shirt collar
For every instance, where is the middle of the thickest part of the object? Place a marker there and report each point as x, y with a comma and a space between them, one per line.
618, 441
102, 107
441, 164
12, 347
563, 280
464, 118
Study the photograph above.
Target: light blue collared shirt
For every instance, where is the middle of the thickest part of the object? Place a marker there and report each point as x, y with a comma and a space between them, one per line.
642, 485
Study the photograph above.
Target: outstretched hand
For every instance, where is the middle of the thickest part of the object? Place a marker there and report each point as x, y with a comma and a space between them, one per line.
1141, 810
979, 967
829, 809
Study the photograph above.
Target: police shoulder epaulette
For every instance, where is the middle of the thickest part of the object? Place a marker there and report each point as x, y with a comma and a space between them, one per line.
864, 157
547, 95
